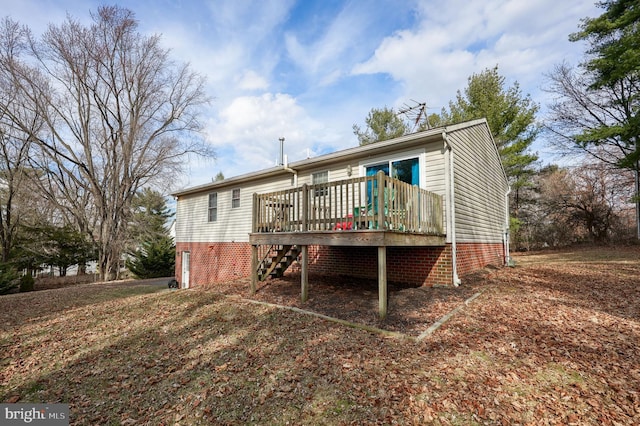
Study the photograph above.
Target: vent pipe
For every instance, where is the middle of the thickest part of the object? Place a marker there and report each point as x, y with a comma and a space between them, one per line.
281, 158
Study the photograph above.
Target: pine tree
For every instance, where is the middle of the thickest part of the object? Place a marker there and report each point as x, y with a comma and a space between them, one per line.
382, 124
511, 118
155, 258
152, 253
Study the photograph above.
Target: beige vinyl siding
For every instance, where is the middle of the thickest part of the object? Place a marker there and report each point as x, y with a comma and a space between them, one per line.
336, 172
434, 168
233, 224
434, 172
480, 186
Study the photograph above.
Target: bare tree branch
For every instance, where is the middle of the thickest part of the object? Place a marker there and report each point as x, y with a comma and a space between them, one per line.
118, 114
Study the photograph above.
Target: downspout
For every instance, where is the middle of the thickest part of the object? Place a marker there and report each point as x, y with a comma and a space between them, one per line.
507, 232
290, 170
451, 211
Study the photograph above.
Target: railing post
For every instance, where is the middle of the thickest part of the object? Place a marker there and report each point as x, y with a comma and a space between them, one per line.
380, 179
305, 207
254, 214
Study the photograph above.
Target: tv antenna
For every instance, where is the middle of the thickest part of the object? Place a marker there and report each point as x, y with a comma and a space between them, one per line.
415, 113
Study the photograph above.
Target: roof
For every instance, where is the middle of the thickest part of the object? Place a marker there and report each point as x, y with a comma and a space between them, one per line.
377, 148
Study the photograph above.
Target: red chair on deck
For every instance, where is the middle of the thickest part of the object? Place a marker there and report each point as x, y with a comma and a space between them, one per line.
344, 226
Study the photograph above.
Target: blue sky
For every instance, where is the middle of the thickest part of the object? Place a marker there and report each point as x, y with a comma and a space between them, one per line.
309, 70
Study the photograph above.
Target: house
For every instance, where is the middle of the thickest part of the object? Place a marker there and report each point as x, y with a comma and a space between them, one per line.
425, 209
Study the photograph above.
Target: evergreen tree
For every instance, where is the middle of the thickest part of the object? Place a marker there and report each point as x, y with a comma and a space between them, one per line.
152, 253
150, 215
382, 124
614, 37
511, 118
155, 258
59, 246
9, 278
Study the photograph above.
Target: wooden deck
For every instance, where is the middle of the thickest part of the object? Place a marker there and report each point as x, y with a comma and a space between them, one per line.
348, 238
371, 203
374, 211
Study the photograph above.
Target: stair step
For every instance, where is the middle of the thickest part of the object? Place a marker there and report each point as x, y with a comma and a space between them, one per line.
275, 265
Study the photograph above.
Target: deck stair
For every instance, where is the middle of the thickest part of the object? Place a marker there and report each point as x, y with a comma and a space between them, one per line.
277, 261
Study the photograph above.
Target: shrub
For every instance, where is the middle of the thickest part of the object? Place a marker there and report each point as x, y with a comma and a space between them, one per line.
8, 279
26, 283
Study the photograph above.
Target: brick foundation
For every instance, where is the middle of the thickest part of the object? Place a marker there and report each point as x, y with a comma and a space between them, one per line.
474, 256
214, 262
409, 265
420, 266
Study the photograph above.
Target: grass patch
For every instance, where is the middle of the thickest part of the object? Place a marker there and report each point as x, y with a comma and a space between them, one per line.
554, 374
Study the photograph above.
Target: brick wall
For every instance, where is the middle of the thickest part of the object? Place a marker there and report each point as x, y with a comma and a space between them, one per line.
411, 265
217, 262
474, 256
214, 262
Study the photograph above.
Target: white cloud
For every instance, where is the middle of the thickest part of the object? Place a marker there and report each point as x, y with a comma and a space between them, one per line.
455, 39
250, 80
424, 63
247, 20
230, 42
248, 129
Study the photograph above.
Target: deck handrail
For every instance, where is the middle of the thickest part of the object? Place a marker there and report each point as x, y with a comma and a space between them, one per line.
376, 202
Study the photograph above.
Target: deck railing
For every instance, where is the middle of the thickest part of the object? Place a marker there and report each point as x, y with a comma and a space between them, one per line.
365, 203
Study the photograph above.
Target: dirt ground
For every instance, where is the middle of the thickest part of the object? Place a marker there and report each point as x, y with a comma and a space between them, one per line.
411, 310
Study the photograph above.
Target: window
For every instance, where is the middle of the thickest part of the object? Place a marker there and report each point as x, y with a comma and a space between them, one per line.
213, 207
318, 179
235, 198
405, 170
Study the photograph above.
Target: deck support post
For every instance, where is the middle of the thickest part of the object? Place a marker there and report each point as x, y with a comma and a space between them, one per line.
382, 282
304, 291
254, 268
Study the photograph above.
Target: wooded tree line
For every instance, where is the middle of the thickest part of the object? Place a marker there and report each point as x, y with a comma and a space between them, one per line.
90, 116
593, 121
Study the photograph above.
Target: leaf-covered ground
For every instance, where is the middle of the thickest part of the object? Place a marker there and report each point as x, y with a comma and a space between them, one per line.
552, 341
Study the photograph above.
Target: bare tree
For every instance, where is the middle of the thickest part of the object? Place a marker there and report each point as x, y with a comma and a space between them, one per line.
594, 121
68, 202
13, 174
14, 154
118, 114
589, 200
578, 109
